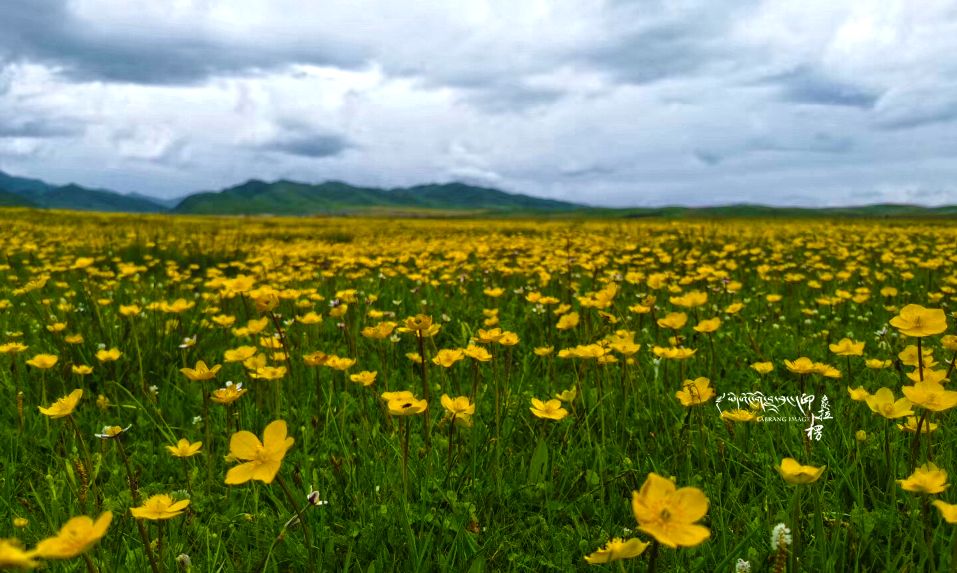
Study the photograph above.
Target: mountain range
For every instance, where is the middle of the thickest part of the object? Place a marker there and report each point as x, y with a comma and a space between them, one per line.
284, 197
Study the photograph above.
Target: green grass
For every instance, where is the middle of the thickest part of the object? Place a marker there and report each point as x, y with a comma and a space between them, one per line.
521, 495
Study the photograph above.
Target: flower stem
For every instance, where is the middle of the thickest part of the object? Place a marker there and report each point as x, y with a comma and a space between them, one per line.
305, 526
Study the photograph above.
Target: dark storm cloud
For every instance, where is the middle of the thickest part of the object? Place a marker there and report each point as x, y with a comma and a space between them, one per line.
808, 85
46, 31
660, 40
310, 145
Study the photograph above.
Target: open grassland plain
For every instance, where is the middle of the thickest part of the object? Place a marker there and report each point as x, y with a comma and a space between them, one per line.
369, 395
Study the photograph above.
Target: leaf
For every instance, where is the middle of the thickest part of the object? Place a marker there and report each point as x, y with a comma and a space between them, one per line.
539, 463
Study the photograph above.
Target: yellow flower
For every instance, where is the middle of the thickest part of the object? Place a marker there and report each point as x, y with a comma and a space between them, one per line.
674, 320
882, 402
763, 367
915, 320
931, 395
43, 361
708, 325
112, 432
81, 369
20, 522
847, 347
340, 363
75, 537
184, 449
460, 407
397, 395
488, 336
826, 370
159, 507
802, 366
73, 339
447, 357
365, 378
695, 392
550, 410
911, 426
669, 514
110, 355
379, 331
567, 321
948, 511
262, 459
317, 358
228, 394
930, 375
421, 325
129, 310
309, 318
543, 350
877, 363
177, 306
928, 478
239, 354
478, 353
268, 373
617, 549
795, 473
858, 394
200, 372
406, 406
12, 555
567, 395
908, 356
64, 406
739, 415
508, 339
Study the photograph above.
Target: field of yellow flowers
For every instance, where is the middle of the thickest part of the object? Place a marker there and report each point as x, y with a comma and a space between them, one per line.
259, 394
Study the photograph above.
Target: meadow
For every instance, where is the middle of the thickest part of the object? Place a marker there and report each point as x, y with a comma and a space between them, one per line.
186, 393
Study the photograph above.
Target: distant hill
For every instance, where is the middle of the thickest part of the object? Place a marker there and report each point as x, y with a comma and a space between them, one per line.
881, 210
37, 193
332, 197
447, 200
11, 199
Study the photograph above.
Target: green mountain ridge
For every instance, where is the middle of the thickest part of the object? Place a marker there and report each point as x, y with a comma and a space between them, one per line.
292, 198
335, 197
37, 193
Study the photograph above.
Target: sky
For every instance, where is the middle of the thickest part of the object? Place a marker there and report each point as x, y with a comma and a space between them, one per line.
805, 102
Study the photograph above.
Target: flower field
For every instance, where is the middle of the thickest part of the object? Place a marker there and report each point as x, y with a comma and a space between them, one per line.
370, 395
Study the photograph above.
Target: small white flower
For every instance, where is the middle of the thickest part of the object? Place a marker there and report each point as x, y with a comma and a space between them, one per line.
742, 566
110, 432
780, 536
154, 390
197, 419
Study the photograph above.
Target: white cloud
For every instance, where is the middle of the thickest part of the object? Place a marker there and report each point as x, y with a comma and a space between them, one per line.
618, 103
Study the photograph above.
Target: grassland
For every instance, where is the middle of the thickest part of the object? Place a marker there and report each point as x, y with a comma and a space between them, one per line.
590, 310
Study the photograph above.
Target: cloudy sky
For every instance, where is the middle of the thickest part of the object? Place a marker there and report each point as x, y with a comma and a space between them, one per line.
811, 102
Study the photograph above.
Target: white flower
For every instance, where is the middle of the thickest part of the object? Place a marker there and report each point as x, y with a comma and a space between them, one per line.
742, 566
109, 432
197, 419
154, 390
780, 536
